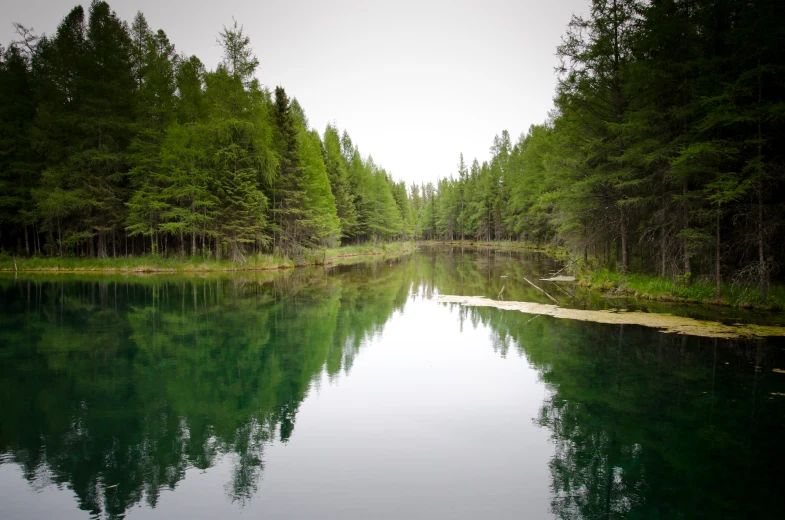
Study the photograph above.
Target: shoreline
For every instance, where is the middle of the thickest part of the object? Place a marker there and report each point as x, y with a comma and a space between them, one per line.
555, 251
138, 265
612, 284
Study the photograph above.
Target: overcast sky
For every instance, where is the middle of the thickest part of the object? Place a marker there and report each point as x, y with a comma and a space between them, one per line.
415, 83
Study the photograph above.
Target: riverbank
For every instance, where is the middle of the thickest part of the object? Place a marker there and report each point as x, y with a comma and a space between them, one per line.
552, 250
655, 288
157, 264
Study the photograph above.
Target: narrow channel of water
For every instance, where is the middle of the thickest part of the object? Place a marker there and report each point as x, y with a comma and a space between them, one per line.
352, 393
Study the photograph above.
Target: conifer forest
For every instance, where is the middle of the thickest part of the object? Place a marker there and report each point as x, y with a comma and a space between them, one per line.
664, 152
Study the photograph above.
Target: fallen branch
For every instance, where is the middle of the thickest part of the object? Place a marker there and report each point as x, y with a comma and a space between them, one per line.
562, 289
541, 290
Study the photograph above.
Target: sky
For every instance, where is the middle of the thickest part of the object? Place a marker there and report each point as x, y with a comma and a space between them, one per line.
415, 83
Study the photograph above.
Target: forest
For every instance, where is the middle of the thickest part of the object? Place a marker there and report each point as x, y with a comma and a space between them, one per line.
663, 153
113, 144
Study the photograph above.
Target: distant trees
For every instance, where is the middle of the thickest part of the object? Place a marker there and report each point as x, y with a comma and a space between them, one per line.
114, 144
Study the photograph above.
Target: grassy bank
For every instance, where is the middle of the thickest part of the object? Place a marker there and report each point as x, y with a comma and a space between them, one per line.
153, 264
502, 244
649, 287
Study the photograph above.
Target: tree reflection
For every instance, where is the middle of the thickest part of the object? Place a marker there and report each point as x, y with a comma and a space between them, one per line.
115, 388
649, 425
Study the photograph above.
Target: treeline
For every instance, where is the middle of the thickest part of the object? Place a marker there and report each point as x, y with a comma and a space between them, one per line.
112, 143
665, 151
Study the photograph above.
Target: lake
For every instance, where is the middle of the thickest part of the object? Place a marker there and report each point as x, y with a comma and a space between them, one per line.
350, 392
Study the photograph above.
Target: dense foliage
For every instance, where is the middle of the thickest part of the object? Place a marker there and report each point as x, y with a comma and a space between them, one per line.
115, 144
664, 153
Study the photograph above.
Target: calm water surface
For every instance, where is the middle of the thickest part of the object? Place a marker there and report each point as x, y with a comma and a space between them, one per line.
350, 393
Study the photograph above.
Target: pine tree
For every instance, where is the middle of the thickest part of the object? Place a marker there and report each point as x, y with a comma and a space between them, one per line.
155, 111
240, 151
338, 175
84, 127
18, 163
595, 56
289, 191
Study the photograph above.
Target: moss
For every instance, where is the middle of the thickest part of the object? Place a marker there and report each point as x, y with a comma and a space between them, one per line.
667, 323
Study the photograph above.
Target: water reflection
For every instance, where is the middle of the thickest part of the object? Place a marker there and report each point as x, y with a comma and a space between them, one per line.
115, 387
649, 425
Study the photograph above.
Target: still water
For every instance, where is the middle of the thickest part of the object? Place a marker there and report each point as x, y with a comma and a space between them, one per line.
350, 393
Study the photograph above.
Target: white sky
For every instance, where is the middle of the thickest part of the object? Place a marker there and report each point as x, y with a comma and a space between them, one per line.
415, 83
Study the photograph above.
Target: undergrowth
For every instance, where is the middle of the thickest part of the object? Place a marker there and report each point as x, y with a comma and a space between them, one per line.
154, 263
652, 287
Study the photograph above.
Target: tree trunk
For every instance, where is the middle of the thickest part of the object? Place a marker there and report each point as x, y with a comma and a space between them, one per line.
663, 247
763, 274
687, 264
101, 253
762, 270
625, 255
59, 238
717, 259
27, 242
36, 240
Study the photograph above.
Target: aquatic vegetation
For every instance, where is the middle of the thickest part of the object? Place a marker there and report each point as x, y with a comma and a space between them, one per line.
665, 322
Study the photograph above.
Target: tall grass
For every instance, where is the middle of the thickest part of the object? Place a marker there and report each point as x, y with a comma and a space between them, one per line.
370, 249
154, 263
666, 289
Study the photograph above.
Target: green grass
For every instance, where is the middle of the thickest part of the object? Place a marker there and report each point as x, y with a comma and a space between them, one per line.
370, 249
651, 287
153, 263
505, 244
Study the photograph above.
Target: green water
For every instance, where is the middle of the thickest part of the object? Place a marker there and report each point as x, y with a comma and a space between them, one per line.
350, 393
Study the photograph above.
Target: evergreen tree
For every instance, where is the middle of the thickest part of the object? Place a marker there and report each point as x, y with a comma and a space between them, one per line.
321, 223
288, 186
240, 148
155, 111
83, 127
18, 163
338, 175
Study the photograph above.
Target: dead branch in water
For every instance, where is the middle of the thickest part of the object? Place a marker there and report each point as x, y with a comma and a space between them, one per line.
541, 290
